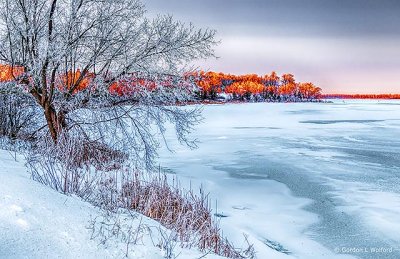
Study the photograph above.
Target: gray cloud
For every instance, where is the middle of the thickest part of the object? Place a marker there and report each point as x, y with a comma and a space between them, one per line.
343, 45
335, 17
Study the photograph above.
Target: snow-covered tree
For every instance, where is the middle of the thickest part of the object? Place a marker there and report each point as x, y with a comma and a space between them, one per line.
101, 70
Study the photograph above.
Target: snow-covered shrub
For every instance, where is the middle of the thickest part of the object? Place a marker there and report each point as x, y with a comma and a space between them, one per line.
18, 116
186, 213
49, 171
73, 165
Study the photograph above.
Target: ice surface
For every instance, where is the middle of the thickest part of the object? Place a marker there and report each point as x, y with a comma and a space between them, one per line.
303, 180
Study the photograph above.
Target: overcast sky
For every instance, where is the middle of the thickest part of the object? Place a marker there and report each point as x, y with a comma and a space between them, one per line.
346, 46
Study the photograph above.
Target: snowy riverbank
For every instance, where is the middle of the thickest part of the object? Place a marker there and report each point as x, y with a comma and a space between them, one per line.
38, 222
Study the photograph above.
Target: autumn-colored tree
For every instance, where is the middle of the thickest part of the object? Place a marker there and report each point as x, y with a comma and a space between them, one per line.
288, 87
9, 73
250, 78
245, 89
210, 84
308, 91
71, 78
272, 85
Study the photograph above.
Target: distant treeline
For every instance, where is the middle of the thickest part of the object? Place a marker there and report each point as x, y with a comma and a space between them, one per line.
270, 87
210, 85
360, 96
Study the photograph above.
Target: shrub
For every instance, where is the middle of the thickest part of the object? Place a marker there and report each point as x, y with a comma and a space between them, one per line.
18, 116
74, 168
73, 165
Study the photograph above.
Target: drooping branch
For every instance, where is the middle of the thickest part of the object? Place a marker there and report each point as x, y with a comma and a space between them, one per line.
103, 68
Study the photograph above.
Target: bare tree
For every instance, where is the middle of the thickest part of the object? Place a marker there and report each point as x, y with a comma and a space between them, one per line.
70, 53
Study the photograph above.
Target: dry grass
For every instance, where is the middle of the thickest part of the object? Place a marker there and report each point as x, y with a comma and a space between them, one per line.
185, 212
80, 152
73, 166
84, 169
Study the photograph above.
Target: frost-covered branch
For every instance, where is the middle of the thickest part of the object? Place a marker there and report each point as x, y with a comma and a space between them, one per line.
103, 69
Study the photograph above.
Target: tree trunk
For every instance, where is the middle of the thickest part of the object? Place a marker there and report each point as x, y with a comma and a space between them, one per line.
55, 121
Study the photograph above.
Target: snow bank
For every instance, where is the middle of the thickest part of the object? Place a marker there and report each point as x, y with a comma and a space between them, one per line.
37, 222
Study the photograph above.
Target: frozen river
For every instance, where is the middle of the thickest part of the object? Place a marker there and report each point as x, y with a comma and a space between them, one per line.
307, 180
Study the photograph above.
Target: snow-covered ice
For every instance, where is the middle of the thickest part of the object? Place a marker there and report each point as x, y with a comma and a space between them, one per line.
303, 180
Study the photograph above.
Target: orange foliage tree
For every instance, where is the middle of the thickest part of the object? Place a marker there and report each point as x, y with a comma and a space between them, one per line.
288, 87
308, 91
9, 73
210, 84
271, 83
68, 80
270, 87
244, 89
